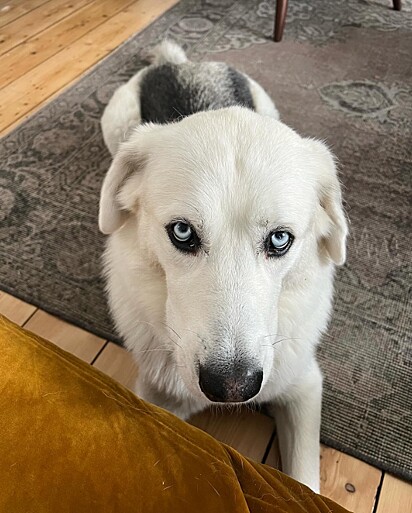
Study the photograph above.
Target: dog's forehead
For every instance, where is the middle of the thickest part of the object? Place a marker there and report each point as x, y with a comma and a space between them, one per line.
248, 168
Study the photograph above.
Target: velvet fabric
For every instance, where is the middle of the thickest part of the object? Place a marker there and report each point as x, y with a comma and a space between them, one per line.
73, 440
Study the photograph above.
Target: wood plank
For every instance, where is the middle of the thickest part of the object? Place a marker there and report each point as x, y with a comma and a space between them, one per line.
26, 95
273, 457
32, 52
14, 9
395, 496
246, 431
348, 481
117, 363
344, 479
39, 19
14, 309
79, 342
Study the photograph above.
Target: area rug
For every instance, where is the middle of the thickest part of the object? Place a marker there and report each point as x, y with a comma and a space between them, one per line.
343, 73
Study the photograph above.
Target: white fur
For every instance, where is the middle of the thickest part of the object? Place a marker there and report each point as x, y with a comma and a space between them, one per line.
262, 101
235, 175
168, 51
122, 113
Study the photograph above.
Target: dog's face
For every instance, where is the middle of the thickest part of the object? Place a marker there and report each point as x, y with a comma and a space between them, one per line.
233, 209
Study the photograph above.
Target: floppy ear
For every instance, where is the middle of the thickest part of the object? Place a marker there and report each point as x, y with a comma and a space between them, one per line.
129, 162
334, 224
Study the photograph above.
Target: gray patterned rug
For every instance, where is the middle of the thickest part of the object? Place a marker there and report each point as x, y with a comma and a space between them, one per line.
342, 73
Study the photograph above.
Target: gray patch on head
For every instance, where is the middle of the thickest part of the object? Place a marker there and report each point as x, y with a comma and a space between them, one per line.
170, 92
240, 88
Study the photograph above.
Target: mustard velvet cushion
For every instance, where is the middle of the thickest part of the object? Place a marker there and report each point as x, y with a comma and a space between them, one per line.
72, 440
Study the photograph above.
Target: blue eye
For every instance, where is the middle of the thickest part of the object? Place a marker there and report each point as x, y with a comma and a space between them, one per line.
278, 243
183, 236
182, 232
280, 240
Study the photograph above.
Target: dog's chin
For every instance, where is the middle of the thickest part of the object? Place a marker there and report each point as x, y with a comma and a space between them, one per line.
232, 404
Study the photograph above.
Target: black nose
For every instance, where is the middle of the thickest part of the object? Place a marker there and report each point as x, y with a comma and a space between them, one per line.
230, 385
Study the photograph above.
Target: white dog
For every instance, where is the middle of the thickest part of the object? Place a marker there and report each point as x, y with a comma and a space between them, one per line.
224, 230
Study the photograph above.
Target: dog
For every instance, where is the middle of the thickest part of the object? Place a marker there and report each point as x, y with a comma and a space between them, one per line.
225, 227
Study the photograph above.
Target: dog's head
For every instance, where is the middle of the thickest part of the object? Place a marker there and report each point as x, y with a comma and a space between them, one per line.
233, 209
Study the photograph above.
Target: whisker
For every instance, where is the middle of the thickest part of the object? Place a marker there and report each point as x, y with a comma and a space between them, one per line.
152, 350
164, 324
174, 342
282, 339
171, 329
180, 114
194, 333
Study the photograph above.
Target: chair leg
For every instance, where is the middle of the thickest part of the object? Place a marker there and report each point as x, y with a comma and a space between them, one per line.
281, 9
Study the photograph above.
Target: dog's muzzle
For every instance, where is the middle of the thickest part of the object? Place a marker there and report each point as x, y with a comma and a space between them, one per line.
234, 384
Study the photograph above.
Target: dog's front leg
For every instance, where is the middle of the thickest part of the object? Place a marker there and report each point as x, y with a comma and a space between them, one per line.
298, 428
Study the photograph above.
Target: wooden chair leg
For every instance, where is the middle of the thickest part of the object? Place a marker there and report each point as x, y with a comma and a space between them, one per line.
281, 9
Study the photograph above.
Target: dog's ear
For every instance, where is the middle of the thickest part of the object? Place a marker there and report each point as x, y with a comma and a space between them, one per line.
331, 220
128, 165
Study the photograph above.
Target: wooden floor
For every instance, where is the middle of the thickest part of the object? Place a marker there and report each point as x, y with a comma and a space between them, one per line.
45, 45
